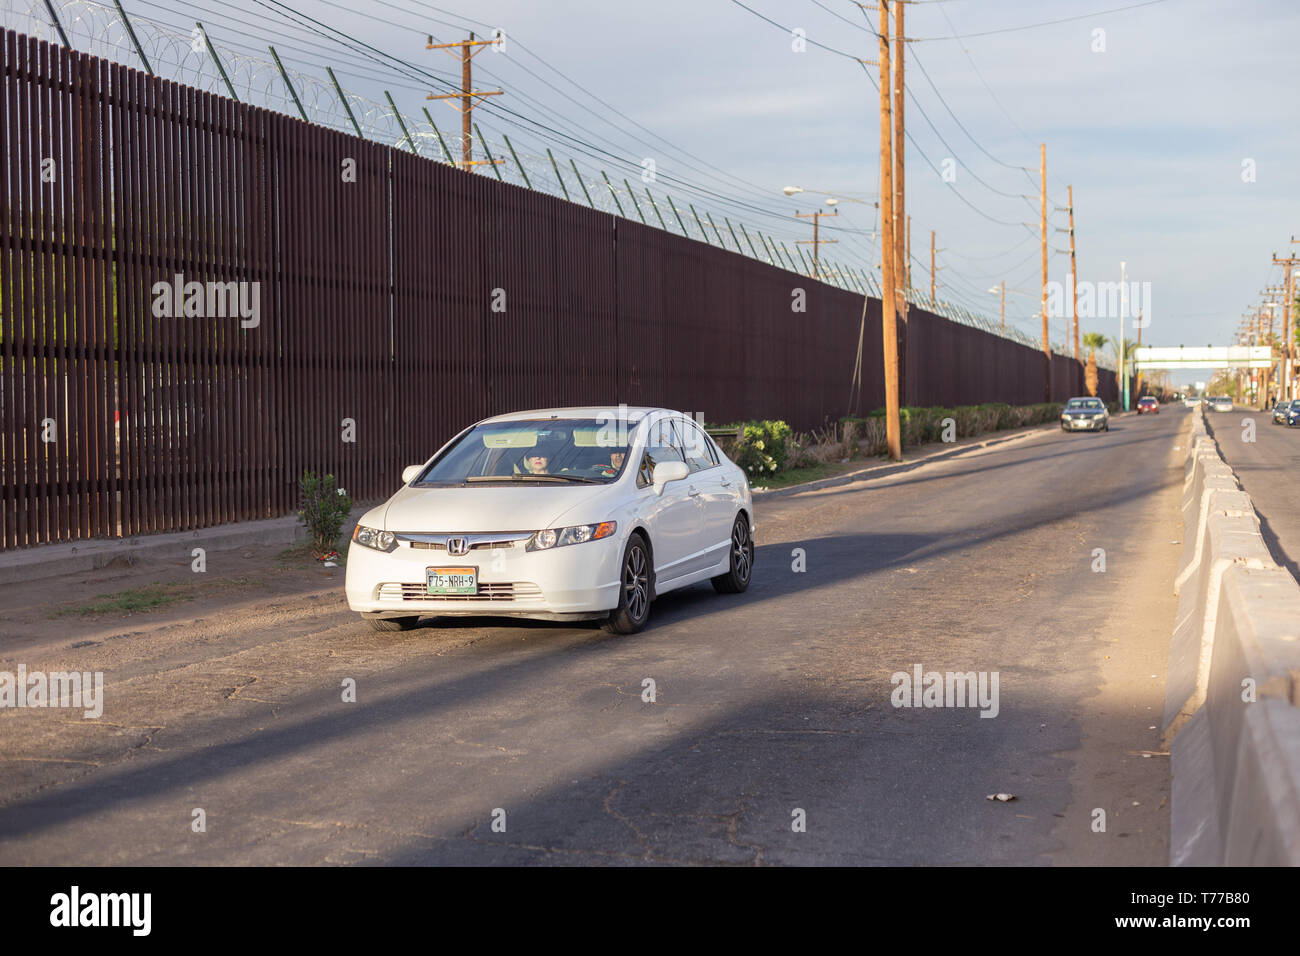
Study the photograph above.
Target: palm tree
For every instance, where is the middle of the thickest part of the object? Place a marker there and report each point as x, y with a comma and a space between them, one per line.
1092, 341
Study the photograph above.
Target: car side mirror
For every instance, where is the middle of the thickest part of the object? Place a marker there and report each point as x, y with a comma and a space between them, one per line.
410, 473
666, 472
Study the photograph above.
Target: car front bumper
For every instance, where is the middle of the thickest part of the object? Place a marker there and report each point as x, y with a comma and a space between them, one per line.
1094, 424
571, 582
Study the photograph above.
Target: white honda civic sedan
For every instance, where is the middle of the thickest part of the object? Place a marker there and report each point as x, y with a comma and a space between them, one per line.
557, 514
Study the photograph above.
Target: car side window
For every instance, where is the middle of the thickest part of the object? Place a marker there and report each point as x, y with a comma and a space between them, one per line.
662, 444
696, 448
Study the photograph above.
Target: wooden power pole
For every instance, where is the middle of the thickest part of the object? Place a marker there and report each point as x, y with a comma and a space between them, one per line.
903, 249
1074, 275
816, 242
468, 50
932, 282
1288, 303
1047, 345
888, 248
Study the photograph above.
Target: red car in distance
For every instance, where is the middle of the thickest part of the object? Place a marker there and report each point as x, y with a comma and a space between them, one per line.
1148, 404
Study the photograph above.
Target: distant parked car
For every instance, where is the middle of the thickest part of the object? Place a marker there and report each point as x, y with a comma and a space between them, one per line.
1148, 404
1293, 413
1220, 403
1280, 410
1191, 402
1085, 414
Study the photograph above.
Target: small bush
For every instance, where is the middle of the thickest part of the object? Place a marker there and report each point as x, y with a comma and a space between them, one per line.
325, 507
762, 447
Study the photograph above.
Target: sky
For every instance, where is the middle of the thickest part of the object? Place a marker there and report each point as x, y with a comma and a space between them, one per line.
1174, 121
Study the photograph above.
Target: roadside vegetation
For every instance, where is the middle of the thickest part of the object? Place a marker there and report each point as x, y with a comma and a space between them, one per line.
774, 456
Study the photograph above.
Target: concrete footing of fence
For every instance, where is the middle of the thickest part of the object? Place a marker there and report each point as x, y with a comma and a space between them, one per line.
1232, 705
49, 560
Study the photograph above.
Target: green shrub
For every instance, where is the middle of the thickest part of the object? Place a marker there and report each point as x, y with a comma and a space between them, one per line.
325, 507
921, 425
761, 447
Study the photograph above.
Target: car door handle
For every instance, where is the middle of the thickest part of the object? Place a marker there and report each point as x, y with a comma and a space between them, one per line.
726, 483
693, 491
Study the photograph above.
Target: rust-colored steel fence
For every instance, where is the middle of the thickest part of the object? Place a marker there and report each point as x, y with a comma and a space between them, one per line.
201, 299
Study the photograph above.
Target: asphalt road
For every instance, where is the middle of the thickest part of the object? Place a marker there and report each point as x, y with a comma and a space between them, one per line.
1268, 469
767, 704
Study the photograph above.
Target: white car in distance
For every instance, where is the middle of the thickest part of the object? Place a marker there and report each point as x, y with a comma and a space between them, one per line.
556, 514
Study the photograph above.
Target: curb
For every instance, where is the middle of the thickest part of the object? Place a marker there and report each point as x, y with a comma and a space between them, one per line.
893, 468
1232, 704
51, 560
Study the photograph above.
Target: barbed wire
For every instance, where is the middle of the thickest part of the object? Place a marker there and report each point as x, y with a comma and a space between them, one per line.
193, 60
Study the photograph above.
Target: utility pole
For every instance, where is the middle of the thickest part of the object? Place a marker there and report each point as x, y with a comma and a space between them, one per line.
907, 272
932, 282
468, 50
1047, 345
1074, 275
1288, 303
888, 258
1272, 292
904, 249
816, 242
1123, 313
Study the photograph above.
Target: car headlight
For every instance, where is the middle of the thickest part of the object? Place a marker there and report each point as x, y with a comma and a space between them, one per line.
374, 538
575, 534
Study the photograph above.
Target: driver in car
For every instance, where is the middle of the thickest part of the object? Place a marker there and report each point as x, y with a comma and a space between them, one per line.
536, 462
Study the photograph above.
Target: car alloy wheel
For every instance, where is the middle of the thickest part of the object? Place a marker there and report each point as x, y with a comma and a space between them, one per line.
740, 561
634, 590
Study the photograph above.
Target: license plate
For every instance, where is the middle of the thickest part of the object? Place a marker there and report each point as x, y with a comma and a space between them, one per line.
451, 580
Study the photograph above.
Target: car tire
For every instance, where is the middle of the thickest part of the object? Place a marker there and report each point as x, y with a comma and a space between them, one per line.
635, 589
394, 623
740, 561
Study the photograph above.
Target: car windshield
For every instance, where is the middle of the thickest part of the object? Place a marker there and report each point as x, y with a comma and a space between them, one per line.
1075, 403
545, 451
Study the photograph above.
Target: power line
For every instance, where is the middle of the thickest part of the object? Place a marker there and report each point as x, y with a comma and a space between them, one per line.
1035, 26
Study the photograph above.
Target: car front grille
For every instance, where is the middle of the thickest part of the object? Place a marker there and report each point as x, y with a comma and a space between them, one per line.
512, 591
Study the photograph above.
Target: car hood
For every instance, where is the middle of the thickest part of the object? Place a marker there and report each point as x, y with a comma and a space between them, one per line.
491, 507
